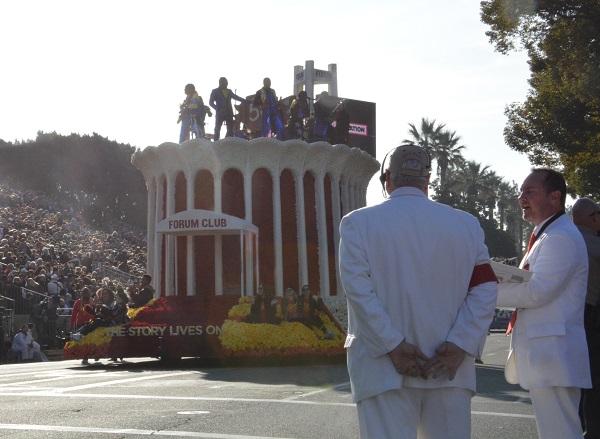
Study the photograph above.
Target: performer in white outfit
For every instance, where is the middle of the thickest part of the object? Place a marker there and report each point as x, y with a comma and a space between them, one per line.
549, 354
421, 296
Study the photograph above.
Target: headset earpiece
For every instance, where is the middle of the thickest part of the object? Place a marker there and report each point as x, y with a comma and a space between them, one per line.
382, 172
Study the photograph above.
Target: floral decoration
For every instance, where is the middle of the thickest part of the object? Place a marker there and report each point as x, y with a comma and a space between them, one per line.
286, 338
180, 326
132, 312
93, 345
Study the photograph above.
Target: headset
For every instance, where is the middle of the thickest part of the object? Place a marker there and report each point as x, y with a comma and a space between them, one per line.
389, 154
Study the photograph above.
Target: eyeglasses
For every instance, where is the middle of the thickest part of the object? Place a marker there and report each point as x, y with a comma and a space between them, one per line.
594, 213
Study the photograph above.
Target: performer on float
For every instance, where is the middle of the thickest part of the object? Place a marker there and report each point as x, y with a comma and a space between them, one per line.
266, 99
342, 124
220, 100
263, 299
201, 117
188, 110
323, 109
299, 111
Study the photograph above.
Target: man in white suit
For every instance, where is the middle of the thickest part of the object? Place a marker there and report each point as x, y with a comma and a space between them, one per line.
548, 348
421, 296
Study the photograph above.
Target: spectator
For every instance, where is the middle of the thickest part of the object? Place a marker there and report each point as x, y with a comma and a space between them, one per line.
23, 342
46, 257
69, 301
28, 221
2, 336
54, 287
586, 216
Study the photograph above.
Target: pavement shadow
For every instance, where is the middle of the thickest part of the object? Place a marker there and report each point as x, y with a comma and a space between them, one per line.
492, 384
312, 372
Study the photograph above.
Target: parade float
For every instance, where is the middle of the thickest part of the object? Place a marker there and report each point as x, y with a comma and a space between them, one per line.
186, 326
223, 218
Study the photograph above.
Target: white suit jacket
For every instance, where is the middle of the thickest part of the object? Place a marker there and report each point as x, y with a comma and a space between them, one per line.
405, 266
548, 340
21, 344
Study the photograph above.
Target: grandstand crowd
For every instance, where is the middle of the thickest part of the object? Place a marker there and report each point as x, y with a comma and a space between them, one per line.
49, 255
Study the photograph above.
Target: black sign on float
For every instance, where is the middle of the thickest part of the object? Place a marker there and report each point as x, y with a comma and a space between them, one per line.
362, 132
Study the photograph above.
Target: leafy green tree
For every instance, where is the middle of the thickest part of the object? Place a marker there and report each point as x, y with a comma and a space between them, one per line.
559, 123
499, 242
89, 173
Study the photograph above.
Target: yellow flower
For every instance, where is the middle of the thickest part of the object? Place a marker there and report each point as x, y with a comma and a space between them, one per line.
98, 337
132, 312
241, 310
237, 336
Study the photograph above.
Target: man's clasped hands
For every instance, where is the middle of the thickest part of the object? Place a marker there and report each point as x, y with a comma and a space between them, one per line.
410, 361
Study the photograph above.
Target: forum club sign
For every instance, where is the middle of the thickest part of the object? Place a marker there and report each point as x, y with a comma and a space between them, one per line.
204, 222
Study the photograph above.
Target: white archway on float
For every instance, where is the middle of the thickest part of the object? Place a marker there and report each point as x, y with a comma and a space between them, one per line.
207, 222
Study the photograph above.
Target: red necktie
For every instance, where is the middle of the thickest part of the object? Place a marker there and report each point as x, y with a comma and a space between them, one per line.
513, 319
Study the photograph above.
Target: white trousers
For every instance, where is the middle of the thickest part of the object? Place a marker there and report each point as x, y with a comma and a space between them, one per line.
556, 412
34, 353
411, 413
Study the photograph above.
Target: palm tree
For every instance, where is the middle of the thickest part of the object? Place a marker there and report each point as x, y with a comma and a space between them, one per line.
427, 137
447, 154
492, 183
515, 224
442, 145
470, 185
506, 193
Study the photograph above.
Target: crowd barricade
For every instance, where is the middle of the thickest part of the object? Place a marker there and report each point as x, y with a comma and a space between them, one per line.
63, 322
7, 323
23, 299
117, 275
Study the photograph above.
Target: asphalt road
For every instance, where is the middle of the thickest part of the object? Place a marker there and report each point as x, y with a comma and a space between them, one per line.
143, 397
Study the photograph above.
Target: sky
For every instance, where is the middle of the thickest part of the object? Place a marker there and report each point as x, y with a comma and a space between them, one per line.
118, 68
